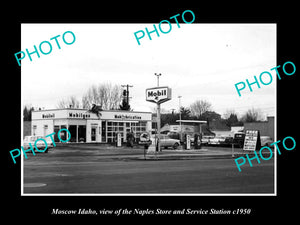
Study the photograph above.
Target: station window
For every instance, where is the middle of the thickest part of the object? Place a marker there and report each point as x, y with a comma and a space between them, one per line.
112, 129
123, 128
34, 130
138, 128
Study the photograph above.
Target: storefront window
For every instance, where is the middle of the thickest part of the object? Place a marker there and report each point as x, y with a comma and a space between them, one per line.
103, 134
56, 129
63, 133
81, 133
143, 124
73, 132
138, 129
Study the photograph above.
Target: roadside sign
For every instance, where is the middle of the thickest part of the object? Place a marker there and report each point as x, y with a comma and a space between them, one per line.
252, 140
158, 94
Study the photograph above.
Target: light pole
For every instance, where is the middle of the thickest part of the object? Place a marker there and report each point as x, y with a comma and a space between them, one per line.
179, 97
157, 75
158, 117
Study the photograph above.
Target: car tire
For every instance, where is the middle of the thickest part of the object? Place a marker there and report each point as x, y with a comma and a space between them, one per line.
175, 146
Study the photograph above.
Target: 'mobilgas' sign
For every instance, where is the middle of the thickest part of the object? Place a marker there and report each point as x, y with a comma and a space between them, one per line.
158, 94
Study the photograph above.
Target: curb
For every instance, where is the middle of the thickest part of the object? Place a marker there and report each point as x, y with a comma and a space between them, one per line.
178, 157
189, 156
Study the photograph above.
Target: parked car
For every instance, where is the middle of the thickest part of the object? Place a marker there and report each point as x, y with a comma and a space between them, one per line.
173, 135
205, 139
40, 144
228, 141
218, 140
166, 141
266, 141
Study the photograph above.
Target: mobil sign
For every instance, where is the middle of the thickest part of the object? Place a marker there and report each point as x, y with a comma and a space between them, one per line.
158, 94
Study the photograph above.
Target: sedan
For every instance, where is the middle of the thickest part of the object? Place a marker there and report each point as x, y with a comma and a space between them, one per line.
166, 141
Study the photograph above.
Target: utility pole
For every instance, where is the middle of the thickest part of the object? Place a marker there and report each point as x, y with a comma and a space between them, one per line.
127, 91
179, 97
158, 117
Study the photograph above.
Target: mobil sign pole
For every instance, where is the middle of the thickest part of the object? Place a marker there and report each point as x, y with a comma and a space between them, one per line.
158, 95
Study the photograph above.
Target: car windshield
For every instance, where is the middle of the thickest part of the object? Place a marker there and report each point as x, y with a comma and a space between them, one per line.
162, 136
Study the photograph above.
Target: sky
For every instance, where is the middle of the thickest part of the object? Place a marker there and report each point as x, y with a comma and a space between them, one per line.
197, 61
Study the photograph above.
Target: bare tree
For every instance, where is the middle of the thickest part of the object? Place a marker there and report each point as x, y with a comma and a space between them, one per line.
71, 102
228, 113
107, 96
252, 115
199, 107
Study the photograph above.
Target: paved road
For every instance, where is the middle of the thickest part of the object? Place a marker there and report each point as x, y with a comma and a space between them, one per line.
110, 172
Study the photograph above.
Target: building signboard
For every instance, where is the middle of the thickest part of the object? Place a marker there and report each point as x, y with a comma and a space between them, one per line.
127, 117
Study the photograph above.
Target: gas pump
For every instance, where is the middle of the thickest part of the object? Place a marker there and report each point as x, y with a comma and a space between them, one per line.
119, 140
197, 141
187, 142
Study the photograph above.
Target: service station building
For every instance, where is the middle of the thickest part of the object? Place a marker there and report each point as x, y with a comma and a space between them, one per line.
85, 126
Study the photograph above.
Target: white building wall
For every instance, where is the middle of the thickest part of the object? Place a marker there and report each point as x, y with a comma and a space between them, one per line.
41, 127
43, 121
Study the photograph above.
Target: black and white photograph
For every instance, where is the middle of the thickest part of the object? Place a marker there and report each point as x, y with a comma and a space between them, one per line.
167, 116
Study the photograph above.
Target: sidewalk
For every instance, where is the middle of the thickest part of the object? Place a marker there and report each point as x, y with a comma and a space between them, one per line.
204, 152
